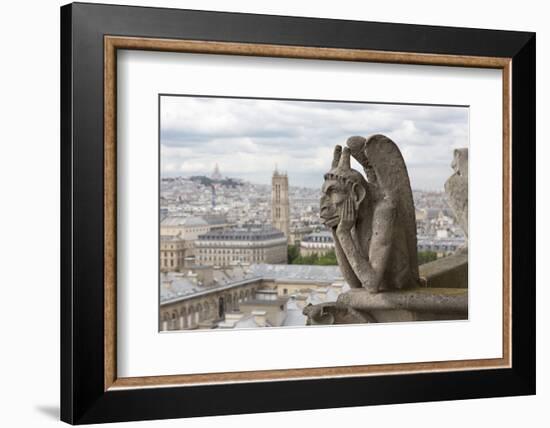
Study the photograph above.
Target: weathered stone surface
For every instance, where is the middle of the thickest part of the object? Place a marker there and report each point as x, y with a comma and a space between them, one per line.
456, 188
432, 300
358, 306
447, 272
374, 230
373, 220
335, 313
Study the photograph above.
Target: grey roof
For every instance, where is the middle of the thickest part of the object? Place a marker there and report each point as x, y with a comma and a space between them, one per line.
424, 240
294, 315
177, 286
245, 233
173, 287
246, 322
171, 237
264, 302
323, 236
183, 221
432, 212
301, 229
214, 220
249, 322
314, 299
324, 274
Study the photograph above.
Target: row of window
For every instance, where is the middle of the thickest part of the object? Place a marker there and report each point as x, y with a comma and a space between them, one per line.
318, 239
185, 229
227, 259
437, 247
317, 245
171, 254
172, 247
265, 237
230, 250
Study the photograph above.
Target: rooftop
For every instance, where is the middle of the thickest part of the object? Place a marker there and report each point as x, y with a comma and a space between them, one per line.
244, 233
323, 236
183, 221
214, 220
263, 302
294, 315
324, 274
176, 286
171, 238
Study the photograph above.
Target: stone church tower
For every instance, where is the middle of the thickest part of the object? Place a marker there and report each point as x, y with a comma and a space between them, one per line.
280, 215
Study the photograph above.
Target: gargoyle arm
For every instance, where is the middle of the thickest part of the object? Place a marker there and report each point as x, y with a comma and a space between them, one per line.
371, 272
381, 240
347, 271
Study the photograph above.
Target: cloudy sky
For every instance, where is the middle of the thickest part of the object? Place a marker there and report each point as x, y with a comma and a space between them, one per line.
247, 138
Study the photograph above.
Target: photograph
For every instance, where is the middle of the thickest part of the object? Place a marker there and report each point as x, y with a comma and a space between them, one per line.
294, 213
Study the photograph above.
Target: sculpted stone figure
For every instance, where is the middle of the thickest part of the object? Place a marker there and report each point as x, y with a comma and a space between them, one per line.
456, 188
373, 220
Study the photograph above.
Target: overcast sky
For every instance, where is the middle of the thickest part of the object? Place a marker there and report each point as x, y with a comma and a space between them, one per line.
247, 138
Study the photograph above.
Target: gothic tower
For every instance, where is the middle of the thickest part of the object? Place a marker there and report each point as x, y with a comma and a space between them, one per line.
280, 216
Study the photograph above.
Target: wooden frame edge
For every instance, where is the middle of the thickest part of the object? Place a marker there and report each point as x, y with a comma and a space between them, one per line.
507, 212
299, 374
112, 43
301, 52
109, 197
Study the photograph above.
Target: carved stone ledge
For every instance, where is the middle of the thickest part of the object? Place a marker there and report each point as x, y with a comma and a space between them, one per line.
335, 313
433, 300
450, 271
358, 306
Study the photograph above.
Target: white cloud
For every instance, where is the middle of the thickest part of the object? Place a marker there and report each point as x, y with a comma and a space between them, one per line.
247, 137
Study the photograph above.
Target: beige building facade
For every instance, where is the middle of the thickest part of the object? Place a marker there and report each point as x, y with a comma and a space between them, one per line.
178, 235
187, 228
319, 243
253, 244
175, 253
298, 233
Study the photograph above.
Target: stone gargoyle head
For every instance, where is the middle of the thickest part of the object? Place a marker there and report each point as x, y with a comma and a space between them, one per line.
341, 183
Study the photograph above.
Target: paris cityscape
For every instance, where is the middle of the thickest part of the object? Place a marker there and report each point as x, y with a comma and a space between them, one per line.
254, 255
241, 241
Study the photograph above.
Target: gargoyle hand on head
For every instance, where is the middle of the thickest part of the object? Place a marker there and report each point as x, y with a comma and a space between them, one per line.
348, 217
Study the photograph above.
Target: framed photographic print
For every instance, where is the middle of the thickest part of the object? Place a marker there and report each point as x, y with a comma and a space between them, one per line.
257, 207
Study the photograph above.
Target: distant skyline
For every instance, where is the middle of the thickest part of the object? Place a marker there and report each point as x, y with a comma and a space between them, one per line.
248, 138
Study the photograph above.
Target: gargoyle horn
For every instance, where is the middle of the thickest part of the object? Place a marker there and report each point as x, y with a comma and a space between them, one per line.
336, 156
344, 163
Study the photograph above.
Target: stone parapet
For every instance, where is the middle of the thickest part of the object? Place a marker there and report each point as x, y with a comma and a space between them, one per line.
419, 304
434, 300
447, 272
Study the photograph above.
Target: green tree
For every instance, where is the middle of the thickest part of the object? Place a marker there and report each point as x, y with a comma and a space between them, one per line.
294, 258
426, 256
329, 259
293, 253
